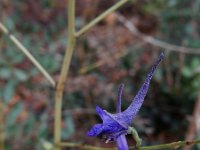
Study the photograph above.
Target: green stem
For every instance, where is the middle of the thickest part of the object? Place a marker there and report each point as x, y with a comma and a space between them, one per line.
64, 71
131, 130
100, 17
21, 47
84, 147
173, 145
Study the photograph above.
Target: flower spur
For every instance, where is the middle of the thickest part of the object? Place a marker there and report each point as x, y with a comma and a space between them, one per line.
116, 126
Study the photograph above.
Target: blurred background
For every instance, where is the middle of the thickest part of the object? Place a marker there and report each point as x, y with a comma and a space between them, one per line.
107, 55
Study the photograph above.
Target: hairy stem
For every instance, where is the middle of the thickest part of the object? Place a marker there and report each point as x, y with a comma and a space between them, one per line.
64, 71
100, 17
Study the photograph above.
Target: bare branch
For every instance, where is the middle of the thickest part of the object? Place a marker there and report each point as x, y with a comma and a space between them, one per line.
28, 54
153, 41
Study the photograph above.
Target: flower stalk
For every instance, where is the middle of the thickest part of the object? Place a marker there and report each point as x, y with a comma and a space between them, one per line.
64, 71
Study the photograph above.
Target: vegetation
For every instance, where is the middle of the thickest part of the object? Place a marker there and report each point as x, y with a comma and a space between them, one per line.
118, 47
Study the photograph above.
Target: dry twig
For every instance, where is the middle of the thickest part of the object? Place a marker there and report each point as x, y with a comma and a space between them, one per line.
153, 41
27, 53
194, 127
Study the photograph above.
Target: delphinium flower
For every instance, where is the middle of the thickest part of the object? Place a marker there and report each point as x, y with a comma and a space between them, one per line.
116, 126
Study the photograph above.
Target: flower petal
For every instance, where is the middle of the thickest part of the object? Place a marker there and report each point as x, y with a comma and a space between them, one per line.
111, 128
96, 130
102, 113
121, 86
122, 143
130, 113
110, 118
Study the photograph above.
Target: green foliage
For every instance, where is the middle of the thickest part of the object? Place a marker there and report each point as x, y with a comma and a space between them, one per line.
69, 129
8, 91
12, 116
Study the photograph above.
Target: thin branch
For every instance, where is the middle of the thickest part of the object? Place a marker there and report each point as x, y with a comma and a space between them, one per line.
151, 40
109, 59
173, 145
100, 17
64, 71
84, 147
28, 54
193, 129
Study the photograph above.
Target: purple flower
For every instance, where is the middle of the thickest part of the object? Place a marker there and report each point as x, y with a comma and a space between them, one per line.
116, 126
